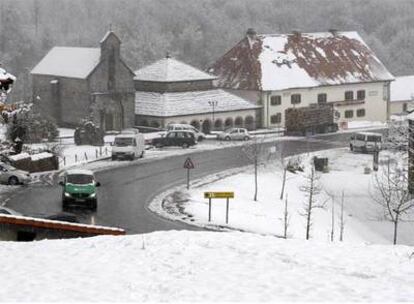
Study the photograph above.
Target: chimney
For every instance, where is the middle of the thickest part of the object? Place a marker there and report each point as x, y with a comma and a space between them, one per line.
333, 31
251, 33
296, 33
251, 36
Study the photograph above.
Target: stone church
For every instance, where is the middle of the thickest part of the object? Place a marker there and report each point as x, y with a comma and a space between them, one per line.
72, 83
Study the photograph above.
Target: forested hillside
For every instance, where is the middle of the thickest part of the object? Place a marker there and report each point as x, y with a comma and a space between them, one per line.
196, 31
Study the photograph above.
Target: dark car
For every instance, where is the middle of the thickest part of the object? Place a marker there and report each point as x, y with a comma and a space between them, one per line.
183, 139
63, 217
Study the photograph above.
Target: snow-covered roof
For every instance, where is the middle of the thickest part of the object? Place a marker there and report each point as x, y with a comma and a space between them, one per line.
298, 60
42, 155
73, 62
170, 70
4, 75
188, 103
402, 89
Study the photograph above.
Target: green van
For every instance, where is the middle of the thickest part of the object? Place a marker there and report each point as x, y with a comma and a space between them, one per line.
79, 188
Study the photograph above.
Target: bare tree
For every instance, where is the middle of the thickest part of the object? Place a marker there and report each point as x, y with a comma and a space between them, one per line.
286, 218
256, 152
341, 219
312, 189
391, 185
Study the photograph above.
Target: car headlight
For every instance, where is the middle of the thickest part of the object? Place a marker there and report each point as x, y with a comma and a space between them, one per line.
67, 194
92, 194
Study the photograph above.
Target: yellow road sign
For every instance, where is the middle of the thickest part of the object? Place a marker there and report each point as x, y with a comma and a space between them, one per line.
218, 194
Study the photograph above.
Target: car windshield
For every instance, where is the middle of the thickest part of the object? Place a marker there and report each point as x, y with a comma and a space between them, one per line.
79, 179
374, 138
123, 141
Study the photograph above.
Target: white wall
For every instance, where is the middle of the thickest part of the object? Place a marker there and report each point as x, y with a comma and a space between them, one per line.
375, 102
397, 107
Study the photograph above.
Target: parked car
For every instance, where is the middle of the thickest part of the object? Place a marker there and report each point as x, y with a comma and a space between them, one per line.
183, 139
129, 144
8, 211
234, 134
366, 142
180, 127
63, 217
79, 188
12, 176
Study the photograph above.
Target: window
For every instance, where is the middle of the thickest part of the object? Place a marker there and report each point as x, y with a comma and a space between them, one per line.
322, 98
276, 100
405, 107
361, 94
360, 112
349, 113
276, 119
349, 95
360, 137
295, 98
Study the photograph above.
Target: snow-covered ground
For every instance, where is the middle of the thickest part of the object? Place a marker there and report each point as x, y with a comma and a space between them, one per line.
183, 266
363, 217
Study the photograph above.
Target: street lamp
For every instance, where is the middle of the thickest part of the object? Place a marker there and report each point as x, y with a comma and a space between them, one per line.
213, 104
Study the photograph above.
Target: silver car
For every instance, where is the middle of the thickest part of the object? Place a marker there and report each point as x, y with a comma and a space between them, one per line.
12, 176
8, 211
234, 134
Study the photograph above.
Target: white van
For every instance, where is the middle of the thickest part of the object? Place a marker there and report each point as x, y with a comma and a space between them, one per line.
183, 127
366, 142
129, 144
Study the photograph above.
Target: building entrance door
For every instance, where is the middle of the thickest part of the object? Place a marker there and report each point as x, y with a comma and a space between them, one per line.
109, 121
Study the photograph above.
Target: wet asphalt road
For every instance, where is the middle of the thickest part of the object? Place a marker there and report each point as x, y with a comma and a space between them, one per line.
126, 191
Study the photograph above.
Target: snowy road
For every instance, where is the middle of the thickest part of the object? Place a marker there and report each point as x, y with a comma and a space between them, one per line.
126, 191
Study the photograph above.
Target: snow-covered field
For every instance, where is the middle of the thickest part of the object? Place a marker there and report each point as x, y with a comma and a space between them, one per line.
364, 220
183, 266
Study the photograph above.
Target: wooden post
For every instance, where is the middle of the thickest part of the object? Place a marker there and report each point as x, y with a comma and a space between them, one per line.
209, 209
86, 156
76, 158
227, 211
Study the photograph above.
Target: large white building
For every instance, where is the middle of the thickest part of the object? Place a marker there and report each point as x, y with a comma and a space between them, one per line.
281, 71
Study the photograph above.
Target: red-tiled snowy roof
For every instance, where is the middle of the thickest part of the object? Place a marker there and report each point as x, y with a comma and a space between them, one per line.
298, 60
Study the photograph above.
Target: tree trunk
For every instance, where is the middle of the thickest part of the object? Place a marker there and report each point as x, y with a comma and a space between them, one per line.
283, 183
395, 229
286, 218
255, 179
341, 235
333, 220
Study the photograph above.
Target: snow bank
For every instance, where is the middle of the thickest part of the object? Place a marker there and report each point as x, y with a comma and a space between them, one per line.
183, 266
364, 220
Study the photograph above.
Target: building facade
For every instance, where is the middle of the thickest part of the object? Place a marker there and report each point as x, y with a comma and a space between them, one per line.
169, 91
402, 95
72, 83
297, 70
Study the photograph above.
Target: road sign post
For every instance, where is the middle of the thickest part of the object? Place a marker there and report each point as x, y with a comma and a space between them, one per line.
227, 210
188, 164
219, 195
209, 209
